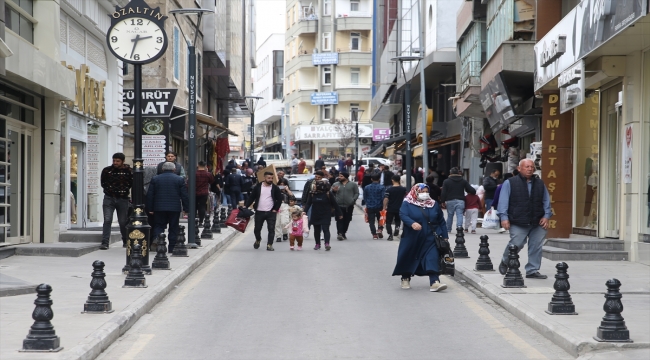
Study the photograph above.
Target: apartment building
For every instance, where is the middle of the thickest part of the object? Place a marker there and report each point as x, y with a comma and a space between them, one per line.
327, 76
268, 85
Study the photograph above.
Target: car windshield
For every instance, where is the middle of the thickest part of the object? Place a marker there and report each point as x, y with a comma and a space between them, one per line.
297, 184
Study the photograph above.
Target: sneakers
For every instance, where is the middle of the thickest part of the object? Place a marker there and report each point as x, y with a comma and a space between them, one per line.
317, 247
396, 233
344, 237
285, 237
437, 286
536, 275
406, 283
269, 247
278, 240
339, 237
380, 235
375, 237
473, 231
390, 238
503, 268
103, 247
327, 247
502, 230
466, 230
299, 248
291, 248
257, 244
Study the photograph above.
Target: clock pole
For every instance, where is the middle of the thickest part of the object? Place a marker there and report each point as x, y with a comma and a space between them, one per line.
192, 241
138, 227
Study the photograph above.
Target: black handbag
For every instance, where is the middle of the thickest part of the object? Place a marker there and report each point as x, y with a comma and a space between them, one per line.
245, 212
445, 254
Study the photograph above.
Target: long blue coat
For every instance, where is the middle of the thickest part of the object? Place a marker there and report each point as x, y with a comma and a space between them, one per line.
417, 253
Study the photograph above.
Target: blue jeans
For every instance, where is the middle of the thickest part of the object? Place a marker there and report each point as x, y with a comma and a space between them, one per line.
488, 204
454, 207
535, 236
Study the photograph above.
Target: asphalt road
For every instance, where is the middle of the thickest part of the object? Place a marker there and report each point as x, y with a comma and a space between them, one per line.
341, 304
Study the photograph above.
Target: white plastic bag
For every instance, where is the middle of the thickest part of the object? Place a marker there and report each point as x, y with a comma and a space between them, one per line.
491, 220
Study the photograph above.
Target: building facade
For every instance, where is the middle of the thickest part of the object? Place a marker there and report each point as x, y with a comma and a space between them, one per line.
268, 84
328, 72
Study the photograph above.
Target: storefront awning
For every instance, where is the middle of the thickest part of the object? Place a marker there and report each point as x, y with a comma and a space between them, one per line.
201, 118
418, 150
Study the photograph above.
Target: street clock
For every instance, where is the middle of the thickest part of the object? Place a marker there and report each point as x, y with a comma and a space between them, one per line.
137, 33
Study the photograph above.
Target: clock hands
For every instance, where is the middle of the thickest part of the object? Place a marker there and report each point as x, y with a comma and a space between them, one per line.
135, 42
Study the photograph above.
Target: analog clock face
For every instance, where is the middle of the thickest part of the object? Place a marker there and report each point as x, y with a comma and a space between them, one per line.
137, 40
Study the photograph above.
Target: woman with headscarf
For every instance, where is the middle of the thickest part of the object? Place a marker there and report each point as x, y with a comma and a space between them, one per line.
322, 203
283, 217
417, 254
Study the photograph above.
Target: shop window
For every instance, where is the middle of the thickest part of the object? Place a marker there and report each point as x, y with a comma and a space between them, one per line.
16, 21
586, 165
327, 75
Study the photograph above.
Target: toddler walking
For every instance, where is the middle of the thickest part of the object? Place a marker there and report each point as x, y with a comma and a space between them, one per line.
295, 230
472, 204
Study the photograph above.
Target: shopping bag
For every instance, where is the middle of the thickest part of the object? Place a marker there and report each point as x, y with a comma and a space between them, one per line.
491, 220
305, 224
236, 222
365, 215
382, 218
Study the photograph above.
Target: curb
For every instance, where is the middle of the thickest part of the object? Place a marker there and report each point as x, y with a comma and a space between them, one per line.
99, 340
558, 334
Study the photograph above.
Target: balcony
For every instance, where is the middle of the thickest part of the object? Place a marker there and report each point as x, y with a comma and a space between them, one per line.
355, 58
518, 56
298, 62
354, 21
354, 93
302, 95
305, 25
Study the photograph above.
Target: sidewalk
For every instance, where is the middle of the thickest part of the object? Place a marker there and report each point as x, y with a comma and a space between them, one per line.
85, 336
587, 279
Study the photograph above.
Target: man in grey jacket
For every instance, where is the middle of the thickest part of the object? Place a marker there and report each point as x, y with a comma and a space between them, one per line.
347, 193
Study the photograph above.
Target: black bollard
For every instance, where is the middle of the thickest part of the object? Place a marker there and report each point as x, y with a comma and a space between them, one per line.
561, 303
98, 302
41, 336
180, 249
216, 225
513, 278
484, 263
135, 277
612, 328
460, 251
197, 237
206, 233
223, 217
161, 261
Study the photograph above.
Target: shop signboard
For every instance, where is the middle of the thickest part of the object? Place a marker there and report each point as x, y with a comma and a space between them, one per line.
92, 160
155, 102
325, 98
572, 87
380, 134
331, 58
327, 132
585, 28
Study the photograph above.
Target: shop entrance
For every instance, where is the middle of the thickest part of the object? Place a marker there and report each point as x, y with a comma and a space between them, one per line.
15, 183
610, 181
77, 194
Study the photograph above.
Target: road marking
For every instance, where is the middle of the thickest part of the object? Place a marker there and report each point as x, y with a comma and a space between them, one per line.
188, 286
138, 346
500, 328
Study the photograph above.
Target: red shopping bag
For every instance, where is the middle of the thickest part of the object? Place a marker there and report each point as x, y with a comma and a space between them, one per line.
365, 215
237, 223
382, 218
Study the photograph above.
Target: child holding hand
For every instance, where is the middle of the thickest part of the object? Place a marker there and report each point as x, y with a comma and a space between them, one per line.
295, 230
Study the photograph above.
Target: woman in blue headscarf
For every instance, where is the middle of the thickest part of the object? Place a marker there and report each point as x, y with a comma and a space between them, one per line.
417, 254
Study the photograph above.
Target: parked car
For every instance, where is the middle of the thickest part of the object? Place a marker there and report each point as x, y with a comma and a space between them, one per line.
297, 184
278, 160
371, 160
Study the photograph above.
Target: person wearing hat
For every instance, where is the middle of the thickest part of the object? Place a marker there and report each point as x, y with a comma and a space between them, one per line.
347, 193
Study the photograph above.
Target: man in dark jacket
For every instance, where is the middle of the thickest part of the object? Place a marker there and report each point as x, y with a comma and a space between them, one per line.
234, 183
267, 198
261, 162
117, 181
453, 197
170, 156
319, 163
166, 198
525, 209
386, 176
490, 184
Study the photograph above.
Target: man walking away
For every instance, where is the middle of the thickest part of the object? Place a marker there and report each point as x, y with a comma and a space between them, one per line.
524, 209
203, 181
453, 197
374, 196
347, 193
392, 203
117, 181
235, 183
490, 184
386, 176
472, 204
267, 198
341, 164
319, 163
166, 198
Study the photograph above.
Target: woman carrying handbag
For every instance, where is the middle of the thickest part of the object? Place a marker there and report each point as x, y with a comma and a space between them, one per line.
418, 253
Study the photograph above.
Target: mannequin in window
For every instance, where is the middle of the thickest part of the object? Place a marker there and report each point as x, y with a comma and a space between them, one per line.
590, 186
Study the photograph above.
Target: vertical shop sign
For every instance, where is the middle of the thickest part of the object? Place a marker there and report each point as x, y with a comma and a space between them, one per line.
627, 154
556, 164
92, 160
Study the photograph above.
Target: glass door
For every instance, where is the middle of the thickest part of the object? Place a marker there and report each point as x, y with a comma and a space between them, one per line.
77, 187
15, 191
611, 167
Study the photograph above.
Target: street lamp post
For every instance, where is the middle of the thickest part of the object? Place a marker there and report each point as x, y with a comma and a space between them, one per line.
251, 102
406, 115
191, 128
355, 115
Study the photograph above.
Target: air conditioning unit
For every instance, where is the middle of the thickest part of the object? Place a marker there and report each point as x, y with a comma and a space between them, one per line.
364, 141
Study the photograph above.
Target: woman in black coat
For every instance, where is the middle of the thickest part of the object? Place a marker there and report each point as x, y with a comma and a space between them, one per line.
322, 203
234, 183
417, 253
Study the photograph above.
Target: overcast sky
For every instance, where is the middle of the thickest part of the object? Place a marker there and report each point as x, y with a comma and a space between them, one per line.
270, 19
